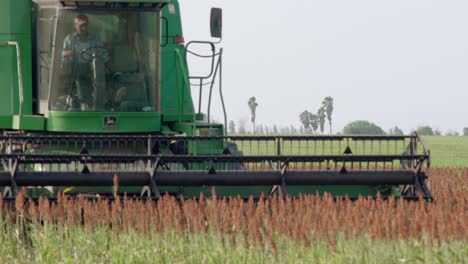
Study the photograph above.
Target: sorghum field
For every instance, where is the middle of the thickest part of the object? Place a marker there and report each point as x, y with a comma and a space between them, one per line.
308, 229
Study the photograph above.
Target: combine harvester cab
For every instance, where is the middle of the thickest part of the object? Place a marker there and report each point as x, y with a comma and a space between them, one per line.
97, 95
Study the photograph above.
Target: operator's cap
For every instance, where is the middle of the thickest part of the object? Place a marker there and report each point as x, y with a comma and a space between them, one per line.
81, 19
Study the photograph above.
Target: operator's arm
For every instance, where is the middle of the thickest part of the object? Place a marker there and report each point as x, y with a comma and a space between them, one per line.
67, 51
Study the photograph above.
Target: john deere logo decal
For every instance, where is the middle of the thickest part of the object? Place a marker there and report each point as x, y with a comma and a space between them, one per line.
110, 122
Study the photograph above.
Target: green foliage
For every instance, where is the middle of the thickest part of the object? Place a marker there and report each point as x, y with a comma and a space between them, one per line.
304, 117
253, 110
309, 121
396, 131
425, 131
465, 131
327, 104
314, 122
321, 117
362, 127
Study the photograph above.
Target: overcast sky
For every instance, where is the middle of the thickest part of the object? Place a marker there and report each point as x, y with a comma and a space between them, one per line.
398, 62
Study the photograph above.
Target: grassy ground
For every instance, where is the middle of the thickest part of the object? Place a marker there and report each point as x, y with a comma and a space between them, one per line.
448, 151
104, 246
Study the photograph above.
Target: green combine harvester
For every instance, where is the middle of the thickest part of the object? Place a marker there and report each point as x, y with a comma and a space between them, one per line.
95, 94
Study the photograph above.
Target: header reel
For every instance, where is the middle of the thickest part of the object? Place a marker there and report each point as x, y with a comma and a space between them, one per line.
342, 165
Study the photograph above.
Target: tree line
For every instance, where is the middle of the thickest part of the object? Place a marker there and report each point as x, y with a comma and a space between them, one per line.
314, 122
358, 127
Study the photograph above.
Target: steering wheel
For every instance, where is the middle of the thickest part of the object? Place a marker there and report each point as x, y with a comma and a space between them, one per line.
94, 53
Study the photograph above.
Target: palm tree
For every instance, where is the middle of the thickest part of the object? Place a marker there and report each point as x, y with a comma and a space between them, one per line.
328, 105
253, 110
314, 122
321, 116
304, 117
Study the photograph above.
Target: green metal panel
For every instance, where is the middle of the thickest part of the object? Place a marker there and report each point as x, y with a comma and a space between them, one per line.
210, 147
15, 17
182, 118
15, 26
6, 121
28, 122
176, 103
6, 78
256, 191
93, 122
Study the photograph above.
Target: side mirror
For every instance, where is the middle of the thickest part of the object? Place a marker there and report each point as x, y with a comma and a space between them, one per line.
216, 22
